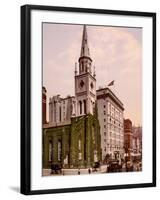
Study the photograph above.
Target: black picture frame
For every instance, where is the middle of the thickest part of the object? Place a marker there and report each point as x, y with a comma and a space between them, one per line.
26, 97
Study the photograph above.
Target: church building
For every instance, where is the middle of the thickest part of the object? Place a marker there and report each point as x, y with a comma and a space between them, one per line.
72, 137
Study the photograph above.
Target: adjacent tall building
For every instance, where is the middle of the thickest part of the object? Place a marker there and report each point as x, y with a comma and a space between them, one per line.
110, 115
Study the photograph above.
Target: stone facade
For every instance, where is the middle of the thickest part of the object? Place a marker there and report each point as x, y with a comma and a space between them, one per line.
110, 115
52, 136
76, 145
61, 109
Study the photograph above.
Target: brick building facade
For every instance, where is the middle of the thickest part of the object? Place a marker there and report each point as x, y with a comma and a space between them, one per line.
128, 138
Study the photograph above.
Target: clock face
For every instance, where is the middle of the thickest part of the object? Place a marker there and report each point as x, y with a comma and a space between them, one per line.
81, 83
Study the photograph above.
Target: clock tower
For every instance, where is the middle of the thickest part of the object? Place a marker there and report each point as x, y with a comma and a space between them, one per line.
85, 81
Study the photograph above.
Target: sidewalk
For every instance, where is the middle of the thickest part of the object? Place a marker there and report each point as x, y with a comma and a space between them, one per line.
47, 172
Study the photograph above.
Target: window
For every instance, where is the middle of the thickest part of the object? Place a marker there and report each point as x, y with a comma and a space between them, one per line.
59, 150
104, 112
104, 106
50, 151
82, 67
79, 144
104, 126
104, 133
60, 114
104, 119
82, 83
54, 110
80, 107
91, 85
80, 156
84, 102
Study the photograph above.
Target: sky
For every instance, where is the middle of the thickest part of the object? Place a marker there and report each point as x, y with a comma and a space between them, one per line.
116, 53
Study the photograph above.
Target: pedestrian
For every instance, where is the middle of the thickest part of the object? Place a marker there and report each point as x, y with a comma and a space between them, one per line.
89, 170
79, 172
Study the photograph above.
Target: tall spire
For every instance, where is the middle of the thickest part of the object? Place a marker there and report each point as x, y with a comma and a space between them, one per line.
84, 47
85, 61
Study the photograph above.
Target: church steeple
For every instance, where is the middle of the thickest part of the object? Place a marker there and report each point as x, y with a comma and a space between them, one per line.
84, 47
85, 60
85, 81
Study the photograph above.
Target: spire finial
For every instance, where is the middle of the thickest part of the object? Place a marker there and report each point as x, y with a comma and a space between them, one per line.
84, 47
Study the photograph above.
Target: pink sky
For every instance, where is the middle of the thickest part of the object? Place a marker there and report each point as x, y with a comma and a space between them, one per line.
116, 53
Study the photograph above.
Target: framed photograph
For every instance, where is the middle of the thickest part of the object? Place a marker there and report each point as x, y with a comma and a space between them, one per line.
88, 99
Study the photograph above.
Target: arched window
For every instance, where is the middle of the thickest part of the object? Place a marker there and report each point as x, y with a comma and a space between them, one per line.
80, 107
79, 144
60, 114
84, 102
59, 150
82, 67
79, 148
50, 153
54, 111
